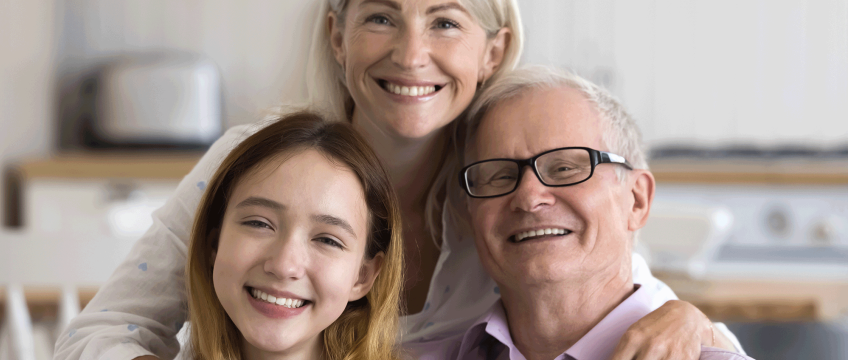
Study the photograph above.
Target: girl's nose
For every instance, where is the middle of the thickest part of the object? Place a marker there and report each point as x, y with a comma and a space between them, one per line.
287, 258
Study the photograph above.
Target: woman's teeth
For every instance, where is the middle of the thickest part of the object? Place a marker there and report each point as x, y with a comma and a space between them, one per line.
410, 90
531, 233
289, 303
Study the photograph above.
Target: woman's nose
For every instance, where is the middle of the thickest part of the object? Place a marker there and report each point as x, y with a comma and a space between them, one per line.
287, 258
411, 49
531, 195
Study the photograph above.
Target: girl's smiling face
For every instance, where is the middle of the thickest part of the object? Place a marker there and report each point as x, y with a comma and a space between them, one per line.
295, 228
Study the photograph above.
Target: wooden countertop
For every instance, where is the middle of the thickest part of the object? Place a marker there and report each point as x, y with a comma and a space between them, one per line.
167, 165
110, 165
742, 300
43, 302
745, 171
726, 300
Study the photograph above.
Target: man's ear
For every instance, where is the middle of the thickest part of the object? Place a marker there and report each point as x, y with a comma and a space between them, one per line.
642, 188
367, 274
495, 51
336, 37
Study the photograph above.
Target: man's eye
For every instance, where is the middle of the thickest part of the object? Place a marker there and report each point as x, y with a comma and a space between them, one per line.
257, 224
329, 241
378, 19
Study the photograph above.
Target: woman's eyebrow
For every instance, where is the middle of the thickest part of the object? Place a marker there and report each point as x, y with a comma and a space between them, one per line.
446, 6
260, 201
335, 221
389, 3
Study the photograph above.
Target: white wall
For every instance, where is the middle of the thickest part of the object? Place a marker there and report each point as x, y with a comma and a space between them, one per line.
259, 45
27, 51
705, 72
700, 72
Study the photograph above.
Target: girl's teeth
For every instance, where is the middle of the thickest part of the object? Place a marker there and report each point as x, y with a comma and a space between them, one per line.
289, 303
410, 90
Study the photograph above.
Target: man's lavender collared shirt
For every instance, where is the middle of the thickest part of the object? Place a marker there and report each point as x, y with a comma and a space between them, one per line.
489, 337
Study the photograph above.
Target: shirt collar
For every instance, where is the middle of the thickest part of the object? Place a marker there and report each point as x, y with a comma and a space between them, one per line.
597, 344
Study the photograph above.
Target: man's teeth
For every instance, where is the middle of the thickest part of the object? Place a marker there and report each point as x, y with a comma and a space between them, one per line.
531, 233
410, 90
289, 303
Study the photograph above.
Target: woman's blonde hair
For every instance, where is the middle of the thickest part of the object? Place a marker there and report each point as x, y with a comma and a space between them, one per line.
327, 89
368, 327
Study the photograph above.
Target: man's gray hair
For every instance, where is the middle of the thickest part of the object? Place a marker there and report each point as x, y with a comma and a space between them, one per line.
621, 136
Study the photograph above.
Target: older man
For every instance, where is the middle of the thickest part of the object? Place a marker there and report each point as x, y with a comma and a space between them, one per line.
557, 186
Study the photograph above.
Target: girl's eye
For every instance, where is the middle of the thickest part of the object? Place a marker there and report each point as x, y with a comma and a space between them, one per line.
329, 241
378, 19
446, 24
257, 224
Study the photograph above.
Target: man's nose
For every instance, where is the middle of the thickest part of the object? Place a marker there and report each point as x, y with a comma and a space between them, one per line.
287, 257
411, 49
531, 195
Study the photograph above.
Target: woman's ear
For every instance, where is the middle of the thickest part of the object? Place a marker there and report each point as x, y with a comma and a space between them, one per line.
495, 51
367, 274
336, 37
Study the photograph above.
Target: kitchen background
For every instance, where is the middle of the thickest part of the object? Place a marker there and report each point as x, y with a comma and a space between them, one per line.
744, 104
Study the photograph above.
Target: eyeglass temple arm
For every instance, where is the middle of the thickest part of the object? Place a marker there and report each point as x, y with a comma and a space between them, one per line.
607, 157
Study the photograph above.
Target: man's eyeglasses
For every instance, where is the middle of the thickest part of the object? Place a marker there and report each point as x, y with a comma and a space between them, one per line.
558, 167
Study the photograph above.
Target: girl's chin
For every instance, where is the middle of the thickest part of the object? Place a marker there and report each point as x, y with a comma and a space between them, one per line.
262, 346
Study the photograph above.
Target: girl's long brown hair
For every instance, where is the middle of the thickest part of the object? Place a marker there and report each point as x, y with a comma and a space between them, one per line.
368, 327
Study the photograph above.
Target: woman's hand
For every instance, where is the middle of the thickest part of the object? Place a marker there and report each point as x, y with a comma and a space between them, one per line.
674, 331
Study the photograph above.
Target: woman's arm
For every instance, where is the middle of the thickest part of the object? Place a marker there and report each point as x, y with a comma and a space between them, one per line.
142, 306
676, 330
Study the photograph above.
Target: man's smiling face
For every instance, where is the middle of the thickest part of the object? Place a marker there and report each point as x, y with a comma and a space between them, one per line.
591, 222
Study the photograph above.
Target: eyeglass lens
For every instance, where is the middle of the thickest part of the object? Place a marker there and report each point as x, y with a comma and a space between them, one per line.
557, 168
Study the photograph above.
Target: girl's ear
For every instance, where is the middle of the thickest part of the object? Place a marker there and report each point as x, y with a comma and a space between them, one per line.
214, 236
367, 274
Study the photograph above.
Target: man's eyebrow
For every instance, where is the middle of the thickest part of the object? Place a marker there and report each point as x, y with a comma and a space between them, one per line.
446, 6
260, 201
335, 221
389, 3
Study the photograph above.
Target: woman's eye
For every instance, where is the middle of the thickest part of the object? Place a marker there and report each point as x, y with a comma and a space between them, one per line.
329, 241
257, 224
378, 19
445, 24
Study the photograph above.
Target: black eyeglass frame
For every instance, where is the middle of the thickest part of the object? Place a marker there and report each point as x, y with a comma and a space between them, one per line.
597, 157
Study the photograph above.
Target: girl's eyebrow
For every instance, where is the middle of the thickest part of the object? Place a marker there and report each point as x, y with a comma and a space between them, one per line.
334, 221
260, 201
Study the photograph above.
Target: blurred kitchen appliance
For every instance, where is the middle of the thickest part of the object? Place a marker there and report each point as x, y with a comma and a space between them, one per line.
157, 100
789, 208
684, 237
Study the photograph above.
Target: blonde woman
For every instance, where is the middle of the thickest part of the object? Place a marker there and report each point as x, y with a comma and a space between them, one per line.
296, 249
401, 72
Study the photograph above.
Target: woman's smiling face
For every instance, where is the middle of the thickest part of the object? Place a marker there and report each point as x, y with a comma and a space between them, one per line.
412, 66
294, 233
